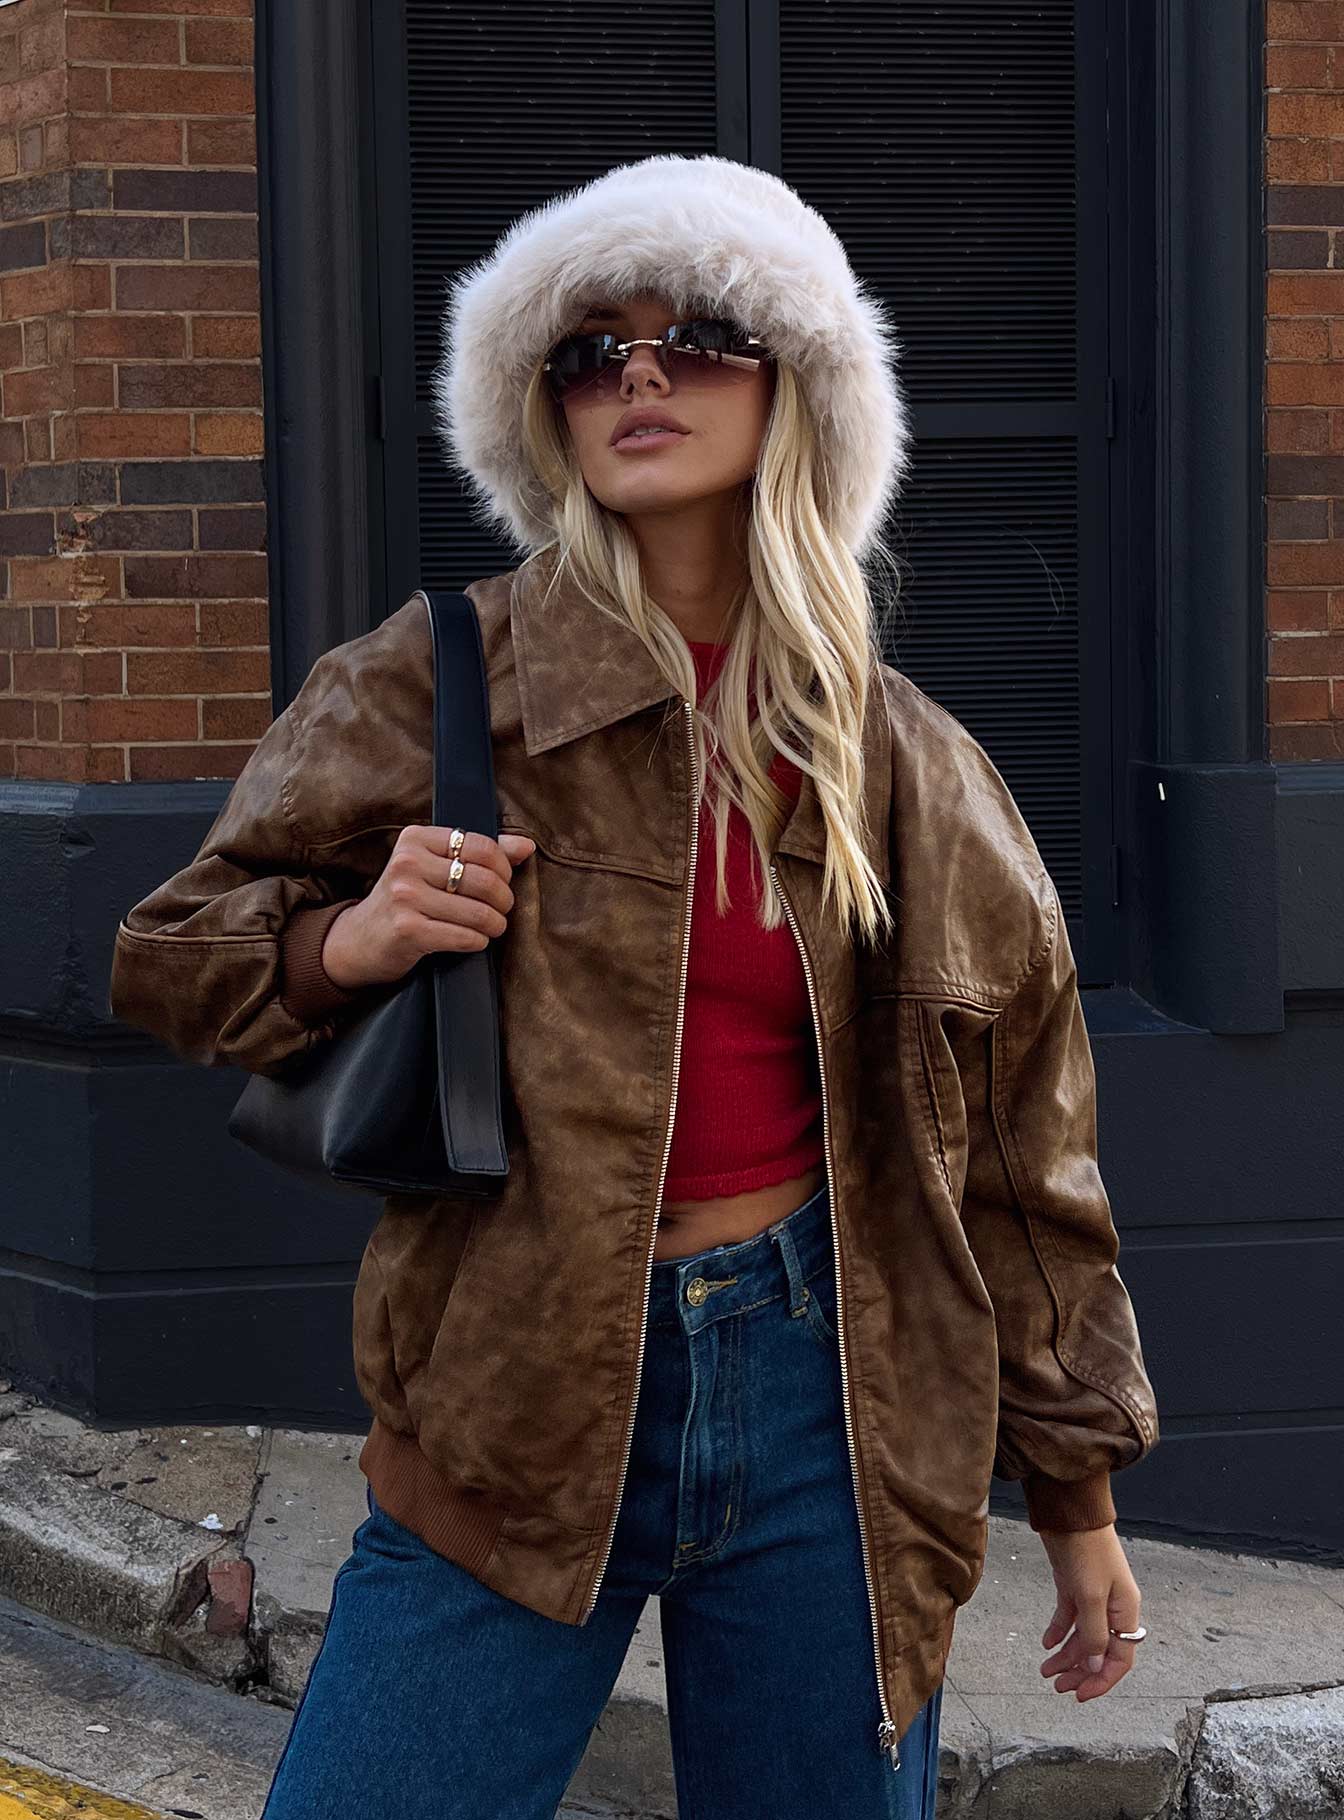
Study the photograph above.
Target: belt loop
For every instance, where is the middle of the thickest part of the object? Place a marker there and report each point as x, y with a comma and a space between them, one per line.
798, 1290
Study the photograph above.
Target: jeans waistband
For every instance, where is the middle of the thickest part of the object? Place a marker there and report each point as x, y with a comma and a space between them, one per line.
688, 1293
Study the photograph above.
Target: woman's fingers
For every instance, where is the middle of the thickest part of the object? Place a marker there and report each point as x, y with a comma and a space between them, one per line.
481, 898
1090, 1660
502, 855
1060, 1624
420, 871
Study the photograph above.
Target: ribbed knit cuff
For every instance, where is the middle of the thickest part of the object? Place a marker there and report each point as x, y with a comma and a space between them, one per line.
307, 992
464, 1525
1069, 1503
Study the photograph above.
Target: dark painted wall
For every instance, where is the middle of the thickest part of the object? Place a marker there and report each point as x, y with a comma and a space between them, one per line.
149, 1264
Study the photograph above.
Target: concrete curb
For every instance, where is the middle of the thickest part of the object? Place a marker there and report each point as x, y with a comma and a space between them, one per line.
1279, 1756
70, 1551
217, 1548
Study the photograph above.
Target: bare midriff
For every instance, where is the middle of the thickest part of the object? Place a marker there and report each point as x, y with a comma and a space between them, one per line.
685, 1227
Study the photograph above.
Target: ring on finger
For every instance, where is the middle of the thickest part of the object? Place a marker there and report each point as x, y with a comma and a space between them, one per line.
455, 872
455, 840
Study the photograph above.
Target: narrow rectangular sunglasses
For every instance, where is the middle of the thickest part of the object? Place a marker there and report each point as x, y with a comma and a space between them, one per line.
704, 350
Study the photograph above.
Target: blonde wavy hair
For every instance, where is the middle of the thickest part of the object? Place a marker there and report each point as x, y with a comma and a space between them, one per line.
805, 611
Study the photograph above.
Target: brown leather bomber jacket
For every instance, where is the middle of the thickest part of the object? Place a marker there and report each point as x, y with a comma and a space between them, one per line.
984, 1327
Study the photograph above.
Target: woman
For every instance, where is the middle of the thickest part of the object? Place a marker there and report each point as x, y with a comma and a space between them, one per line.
803, 1235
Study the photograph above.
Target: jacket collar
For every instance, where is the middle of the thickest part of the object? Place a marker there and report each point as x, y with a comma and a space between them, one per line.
580, 669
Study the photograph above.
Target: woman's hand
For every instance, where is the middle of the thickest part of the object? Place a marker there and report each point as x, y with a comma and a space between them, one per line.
1096, 1591
410, 912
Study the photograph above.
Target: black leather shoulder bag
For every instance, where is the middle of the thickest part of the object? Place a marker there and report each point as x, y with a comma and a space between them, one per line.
406, 1098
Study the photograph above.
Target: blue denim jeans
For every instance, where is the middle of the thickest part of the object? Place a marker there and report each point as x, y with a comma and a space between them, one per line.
433, 1697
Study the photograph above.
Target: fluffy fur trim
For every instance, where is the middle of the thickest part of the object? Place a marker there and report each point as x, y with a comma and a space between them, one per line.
699, 231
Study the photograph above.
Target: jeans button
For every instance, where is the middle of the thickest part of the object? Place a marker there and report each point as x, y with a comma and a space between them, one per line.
696, 1291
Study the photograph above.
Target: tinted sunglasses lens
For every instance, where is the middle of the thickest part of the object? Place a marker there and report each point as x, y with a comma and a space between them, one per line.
712, 338
714, 351
578, 361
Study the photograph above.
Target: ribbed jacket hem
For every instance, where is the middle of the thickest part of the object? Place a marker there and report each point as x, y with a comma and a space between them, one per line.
1069, 1503
526, 1555
462, 1525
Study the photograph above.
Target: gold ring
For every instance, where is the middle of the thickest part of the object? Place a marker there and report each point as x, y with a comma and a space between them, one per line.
455, 841
455, 872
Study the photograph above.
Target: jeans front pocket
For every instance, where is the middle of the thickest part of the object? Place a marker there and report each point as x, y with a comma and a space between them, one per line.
819, 1306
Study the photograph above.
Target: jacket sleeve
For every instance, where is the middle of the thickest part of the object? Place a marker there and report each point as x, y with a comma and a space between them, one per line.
1075, 1402
222, 962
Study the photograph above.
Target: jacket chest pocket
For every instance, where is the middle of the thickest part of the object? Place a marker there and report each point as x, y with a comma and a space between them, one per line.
609, 801
580, 846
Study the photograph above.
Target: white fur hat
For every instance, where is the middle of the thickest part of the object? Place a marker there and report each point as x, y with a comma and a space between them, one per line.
698, 231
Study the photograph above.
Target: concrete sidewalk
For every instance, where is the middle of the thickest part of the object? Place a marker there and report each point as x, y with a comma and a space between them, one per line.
215, 1548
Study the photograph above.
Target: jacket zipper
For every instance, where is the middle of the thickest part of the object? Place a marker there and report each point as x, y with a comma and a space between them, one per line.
886, 1731
667, 1151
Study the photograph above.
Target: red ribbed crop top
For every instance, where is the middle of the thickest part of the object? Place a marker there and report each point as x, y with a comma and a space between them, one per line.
748, 1110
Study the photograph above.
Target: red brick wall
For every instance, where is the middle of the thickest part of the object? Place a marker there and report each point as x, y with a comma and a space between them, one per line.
133, 619
1304, 377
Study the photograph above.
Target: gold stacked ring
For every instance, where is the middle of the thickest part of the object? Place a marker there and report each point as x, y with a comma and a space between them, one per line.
456, 870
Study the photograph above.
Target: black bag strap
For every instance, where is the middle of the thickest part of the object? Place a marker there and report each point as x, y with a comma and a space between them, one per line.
466, 986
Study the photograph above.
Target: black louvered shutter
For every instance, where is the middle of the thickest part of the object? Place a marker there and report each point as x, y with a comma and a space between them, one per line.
944, 141
958, 148
509, 104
